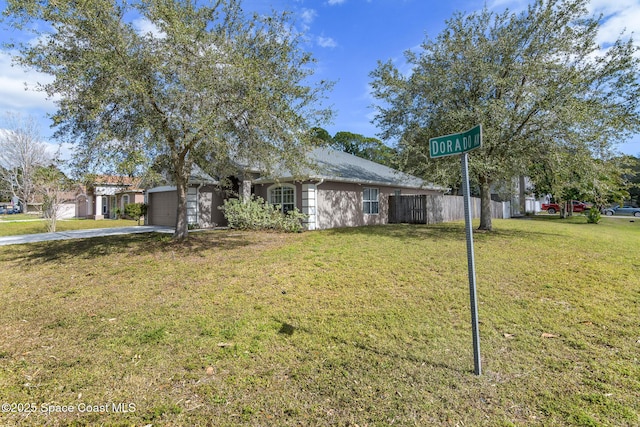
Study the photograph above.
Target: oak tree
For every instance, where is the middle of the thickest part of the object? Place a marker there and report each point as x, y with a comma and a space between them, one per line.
172, 81
536, 80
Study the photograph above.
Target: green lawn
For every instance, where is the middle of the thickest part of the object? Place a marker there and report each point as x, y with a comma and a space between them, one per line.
366, 326
11, 226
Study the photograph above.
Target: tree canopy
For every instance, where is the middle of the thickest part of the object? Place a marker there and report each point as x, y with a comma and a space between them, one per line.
537, 81
359, 145
172, 81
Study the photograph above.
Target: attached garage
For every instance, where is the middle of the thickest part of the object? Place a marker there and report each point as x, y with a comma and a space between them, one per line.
163, 206
202, 206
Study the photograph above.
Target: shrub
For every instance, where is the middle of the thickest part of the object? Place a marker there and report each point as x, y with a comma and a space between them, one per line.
593, 216
135, 211
255, 214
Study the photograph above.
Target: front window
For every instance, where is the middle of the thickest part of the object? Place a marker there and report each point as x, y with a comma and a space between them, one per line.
283, 196
370, 204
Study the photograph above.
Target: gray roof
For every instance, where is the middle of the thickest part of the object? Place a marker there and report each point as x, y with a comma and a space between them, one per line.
334, 165
198, 176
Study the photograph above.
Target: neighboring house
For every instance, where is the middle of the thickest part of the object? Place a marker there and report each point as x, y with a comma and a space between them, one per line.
517, 191
107, 195
341, 190
67, 203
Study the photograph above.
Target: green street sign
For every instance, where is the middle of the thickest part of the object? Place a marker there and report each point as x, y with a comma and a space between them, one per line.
448, 145
456, 143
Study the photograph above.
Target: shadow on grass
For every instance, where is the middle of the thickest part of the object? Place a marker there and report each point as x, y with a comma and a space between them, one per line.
289, 329
132, 244
386, 353
446, 231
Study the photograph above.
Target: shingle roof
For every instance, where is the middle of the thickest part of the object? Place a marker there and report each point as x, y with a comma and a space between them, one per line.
334, 165
198, 176
121, 181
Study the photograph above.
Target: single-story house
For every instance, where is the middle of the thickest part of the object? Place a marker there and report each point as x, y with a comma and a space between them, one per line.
107, 195
66, 204
340, 190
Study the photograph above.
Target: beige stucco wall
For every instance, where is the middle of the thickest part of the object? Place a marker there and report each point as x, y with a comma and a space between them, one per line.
209, 200
340, 204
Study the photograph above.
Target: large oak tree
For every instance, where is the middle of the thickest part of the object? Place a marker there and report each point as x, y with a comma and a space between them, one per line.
173, 81
537, 81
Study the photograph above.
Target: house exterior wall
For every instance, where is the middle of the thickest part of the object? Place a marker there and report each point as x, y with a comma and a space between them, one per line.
209, 200
82, 206
93, 206
336, 204
66, 211
341, 204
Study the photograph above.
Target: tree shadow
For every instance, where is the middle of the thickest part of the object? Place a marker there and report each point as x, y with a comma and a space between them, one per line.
289, 329
393, 355
132, 244
454, 231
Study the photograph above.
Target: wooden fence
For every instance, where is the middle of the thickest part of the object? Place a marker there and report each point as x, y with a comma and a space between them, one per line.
433, 209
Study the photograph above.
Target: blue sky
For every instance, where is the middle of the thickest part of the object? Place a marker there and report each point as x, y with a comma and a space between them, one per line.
347, 37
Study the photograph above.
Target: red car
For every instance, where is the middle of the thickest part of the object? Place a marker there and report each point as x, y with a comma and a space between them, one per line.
554, 207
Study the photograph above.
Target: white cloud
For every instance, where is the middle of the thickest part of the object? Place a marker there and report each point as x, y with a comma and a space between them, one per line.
619, 16
308, 15
326, 42
334, 2
18, 87
143, 26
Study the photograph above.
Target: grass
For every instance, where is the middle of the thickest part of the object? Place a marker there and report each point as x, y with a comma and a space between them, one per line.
19, 217
10, 227
366, 326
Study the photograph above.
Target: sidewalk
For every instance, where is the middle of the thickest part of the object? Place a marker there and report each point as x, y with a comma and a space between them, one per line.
81, 234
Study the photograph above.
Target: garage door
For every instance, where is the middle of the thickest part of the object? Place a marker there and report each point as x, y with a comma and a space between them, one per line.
163, 208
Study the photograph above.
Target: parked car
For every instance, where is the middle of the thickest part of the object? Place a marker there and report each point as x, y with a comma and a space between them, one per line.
9, 209
554, 207
622, 210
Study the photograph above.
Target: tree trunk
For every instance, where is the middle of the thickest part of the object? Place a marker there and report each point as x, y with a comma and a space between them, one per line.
182, 183
485, 204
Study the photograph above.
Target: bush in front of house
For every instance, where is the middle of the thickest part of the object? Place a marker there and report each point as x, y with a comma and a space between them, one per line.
135, 211
255, 214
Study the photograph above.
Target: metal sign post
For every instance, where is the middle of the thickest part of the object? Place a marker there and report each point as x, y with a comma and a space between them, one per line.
449, 145
471, 264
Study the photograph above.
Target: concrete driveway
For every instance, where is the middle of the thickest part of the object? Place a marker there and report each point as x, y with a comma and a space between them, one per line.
82, 234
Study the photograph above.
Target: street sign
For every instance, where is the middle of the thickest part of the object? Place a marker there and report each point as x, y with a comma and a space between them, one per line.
448, 145
456, 143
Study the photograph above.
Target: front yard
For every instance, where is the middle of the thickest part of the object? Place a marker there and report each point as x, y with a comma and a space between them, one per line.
365, 326
12, 225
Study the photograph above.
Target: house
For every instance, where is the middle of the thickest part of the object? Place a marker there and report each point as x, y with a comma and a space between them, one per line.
340, 190
65, 205
107, 195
